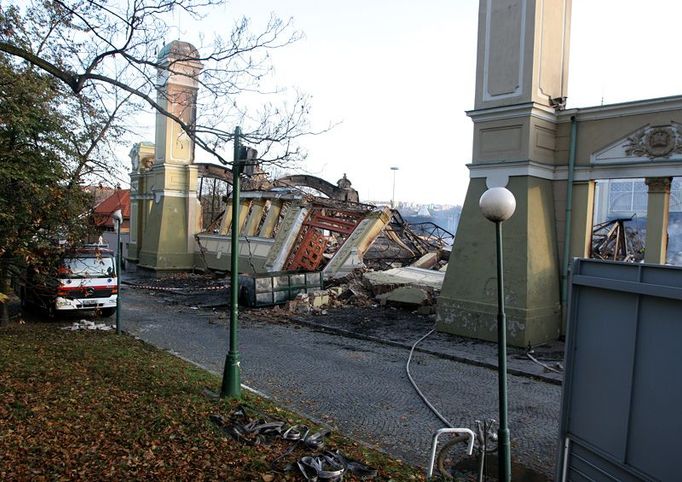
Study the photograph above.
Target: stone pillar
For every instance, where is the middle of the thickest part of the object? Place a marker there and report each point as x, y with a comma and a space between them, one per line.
657, 214
582, 219
521, 78
522, 52
271, 219
255, 217
168, 238
142, 158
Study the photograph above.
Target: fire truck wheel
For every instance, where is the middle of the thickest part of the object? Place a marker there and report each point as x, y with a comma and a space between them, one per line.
107, 312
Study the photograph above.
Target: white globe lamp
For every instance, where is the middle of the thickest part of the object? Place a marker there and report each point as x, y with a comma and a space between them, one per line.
497, 204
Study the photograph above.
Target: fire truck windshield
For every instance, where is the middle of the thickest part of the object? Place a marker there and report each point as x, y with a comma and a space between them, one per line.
88, 267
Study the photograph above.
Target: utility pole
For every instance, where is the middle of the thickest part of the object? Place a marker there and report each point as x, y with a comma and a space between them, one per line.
394, 169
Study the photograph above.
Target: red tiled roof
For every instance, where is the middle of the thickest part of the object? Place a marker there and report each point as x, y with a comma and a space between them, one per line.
120, 199
100, 193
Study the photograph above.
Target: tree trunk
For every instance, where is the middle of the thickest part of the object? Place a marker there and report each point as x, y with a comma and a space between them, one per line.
4, 289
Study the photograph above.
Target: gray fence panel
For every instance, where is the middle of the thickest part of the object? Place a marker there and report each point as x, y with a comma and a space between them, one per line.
657, 401
622, 401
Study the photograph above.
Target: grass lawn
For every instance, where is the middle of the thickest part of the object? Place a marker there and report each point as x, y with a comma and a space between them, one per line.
91, 405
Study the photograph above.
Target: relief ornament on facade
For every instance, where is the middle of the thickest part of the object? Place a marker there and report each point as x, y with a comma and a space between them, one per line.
656, 141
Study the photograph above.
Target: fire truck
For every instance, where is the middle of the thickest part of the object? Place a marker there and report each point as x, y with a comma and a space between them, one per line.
85, 280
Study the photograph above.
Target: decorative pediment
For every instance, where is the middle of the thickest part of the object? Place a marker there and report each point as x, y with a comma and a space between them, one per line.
650, 143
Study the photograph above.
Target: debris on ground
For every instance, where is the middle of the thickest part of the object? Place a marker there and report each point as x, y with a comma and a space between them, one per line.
314, 302
404, 276
408, 296
302, 293
428, 261
410, 288
88, 325
306, 447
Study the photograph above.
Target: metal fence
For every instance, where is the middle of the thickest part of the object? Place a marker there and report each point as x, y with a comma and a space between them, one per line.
622, 401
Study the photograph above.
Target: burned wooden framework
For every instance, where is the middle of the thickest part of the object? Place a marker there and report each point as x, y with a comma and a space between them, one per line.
613, 240
324, 227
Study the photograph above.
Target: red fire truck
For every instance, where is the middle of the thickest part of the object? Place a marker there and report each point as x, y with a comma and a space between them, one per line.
85, 280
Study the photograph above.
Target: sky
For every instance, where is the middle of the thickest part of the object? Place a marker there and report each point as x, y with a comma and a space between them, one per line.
399, 75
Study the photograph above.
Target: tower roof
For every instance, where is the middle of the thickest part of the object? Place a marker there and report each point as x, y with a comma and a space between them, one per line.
178, 48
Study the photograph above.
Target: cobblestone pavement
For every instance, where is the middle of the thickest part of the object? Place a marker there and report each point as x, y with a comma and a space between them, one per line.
358, 387
399, 327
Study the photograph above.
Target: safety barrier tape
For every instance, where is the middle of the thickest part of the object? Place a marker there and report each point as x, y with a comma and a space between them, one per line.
165, 288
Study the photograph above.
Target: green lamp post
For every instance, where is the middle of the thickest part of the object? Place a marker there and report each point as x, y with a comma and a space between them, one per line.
498, 204
231, 386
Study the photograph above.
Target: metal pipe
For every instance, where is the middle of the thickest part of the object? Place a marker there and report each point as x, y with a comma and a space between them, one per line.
564, 468
569, 211
231, 386
434, 445
503, 437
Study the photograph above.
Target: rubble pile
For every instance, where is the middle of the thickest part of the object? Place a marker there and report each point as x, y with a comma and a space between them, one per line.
318, 301
410, 288
613, 240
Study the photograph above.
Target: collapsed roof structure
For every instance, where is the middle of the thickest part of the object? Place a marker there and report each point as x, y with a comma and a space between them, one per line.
289, 229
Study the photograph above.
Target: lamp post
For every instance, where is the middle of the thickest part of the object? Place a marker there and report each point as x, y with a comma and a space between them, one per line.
231, 386
394, 169
498, 205
117, 216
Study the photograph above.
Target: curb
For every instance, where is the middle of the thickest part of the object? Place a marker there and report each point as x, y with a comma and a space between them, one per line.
446, 356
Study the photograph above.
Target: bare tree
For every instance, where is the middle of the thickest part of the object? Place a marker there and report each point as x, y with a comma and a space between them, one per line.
105, 53
99, 127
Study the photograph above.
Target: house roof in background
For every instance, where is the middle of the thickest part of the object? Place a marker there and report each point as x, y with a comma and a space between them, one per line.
100, 193
119, 199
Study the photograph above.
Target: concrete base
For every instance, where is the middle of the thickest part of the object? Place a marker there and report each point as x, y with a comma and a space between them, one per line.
166, 261
468, 302
479, 320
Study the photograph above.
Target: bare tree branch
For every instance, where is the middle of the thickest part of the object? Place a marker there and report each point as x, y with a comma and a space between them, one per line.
97, 48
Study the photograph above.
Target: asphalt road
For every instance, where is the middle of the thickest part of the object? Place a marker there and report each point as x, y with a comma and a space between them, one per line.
358, 387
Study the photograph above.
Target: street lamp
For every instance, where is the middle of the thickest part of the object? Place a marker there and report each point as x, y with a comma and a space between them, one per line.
498, 205
117, 216
394, 169
231, 385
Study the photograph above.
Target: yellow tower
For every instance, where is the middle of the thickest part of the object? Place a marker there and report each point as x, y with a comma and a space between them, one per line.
170, 184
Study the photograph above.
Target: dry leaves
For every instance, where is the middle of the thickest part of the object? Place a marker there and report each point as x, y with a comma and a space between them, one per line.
90, 405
